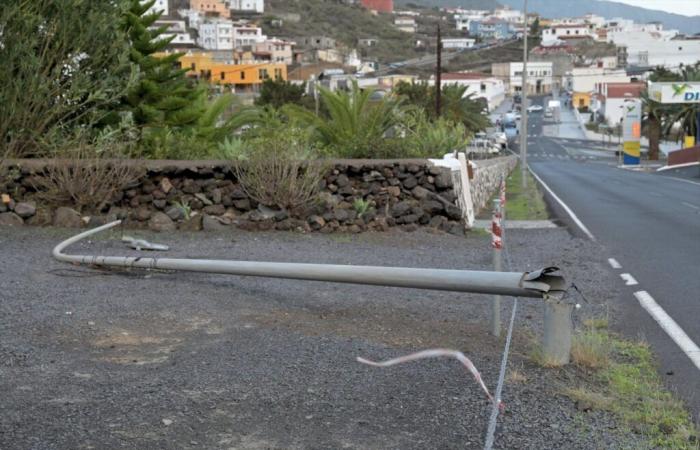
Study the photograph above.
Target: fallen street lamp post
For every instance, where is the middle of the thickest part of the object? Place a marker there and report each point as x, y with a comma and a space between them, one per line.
543, 283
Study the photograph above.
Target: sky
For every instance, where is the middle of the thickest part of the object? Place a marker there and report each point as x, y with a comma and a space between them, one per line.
685, 7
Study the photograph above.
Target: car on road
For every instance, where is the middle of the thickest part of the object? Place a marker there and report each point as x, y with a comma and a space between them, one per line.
548, 113
534, 108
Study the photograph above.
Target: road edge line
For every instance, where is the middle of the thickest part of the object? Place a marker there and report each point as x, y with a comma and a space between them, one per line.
568, 210
672, 329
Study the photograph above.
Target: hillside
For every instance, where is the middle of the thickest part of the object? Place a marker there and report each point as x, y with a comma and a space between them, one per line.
345, 23
466, 4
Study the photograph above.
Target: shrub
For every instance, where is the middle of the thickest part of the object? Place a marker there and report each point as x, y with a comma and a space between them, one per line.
86, 175
276, 170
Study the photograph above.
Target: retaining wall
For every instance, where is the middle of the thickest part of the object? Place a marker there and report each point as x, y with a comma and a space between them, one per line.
403, 193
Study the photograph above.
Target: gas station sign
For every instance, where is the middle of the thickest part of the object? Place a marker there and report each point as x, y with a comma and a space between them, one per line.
675, 92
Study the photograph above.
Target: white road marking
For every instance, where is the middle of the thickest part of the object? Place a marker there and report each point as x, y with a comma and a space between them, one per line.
684, 180
669, 326
690, 205
568, 210
628, 279
614, 264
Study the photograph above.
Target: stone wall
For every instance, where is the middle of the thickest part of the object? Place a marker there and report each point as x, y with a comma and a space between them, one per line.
488, 174
400, 193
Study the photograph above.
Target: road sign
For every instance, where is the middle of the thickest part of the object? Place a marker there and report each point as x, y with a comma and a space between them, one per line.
631, 130
675, 92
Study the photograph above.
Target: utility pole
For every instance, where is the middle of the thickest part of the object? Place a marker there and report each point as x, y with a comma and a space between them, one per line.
438, 74
523, 113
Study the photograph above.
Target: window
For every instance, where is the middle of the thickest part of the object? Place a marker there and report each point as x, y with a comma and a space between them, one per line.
483, 87
223, 76
242, 75
278, 74
262, 74
193, 67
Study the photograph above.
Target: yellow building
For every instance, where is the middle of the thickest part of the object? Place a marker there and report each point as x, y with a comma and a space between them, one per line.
241, 77
581, 99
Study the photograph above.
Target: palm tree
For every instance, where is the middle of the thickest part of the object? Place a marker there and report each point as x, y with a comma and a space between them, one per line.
654, 114
355, 123
686, 114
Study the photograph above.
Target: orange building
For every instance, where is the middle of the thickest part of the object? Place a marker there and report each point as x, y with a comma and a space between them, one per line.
241, 77
383, 6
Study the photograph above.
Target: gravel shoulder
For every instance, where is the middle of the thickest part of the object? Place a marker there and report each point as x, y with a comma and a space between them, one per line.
105, 359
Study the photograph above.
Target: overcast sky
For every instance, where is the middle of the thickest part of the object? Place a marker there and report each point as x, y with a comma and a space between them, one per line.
685, 7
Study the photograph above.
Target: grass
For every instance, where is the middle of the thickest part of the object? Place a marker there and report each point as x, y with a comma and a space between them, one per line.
625, 382
524, 204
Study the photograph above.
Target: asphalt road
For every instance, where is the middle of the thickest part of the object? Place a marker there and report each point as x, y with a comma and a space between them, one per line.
650, 224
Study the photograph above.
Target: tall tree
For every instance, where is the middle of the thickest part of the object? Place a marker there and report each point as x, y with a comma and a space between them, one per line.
162, 96
277, 93
65, 66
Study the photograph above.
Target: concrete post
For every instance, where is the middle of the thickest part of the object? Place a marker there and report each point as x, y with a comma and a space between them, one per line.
558, 328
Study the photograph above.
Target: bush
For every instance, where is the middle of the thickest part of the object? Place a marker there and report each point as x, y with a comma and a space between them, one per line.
86, 175
276, 170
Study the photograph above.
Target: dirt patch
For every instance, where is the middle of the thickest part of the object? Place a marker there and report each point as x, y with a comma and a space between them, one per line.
393, 327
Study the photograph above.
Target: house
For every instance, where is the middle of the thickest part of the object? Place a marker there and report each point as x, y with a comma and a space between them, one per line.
247, 35
257, 6
649, 45
271, 50
539, 76
558, 33
480, 85
457, 43
582, 80
367, 42
382, 6
491, 29
406, 24
562, 59
507, 14
177, 30
463, 18
211, 7
315, 42
238, 77
215, 34
611, 98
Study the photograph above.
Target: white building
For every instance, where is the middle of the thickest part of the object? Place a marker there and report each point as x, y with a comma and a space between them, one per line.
479, 84
463, 18
457, 43
585, 79
178, 31
650, 45
539, 76
507, 14
159, 5
406, 24
257, 6
247, 35
612, 98
558, 33
216, 34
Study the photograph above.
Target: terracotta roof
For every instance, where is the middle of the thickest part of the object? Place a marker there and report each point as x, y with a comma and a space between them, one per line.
618, 90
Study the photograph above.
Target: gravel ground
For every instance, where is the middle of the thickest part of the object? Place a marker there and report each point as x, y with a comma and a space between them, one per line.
96, 359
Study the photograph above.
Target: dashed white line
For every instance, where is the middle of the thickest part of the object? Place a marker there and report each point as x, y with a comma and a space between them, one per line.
614, 264
670, 326
568, 210
690, 205
628, 279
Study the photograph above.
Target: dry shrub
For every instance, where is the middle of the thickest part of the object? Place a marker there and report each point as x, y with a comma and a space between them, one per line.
84, 179
277, 171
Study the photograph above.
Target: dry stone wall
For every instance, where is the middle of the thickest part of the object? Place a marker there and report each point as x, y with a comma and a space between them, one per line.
488, 174
195, 195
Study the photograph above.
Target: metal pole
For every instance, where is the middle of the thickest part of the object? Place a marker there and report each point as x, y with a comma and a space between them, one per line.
523, 115
538, 284
558, 328
497, 244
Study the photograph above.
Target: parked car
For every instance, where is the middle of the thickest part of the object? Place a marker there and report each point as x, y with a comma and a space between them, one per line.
548, 113
534, 108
